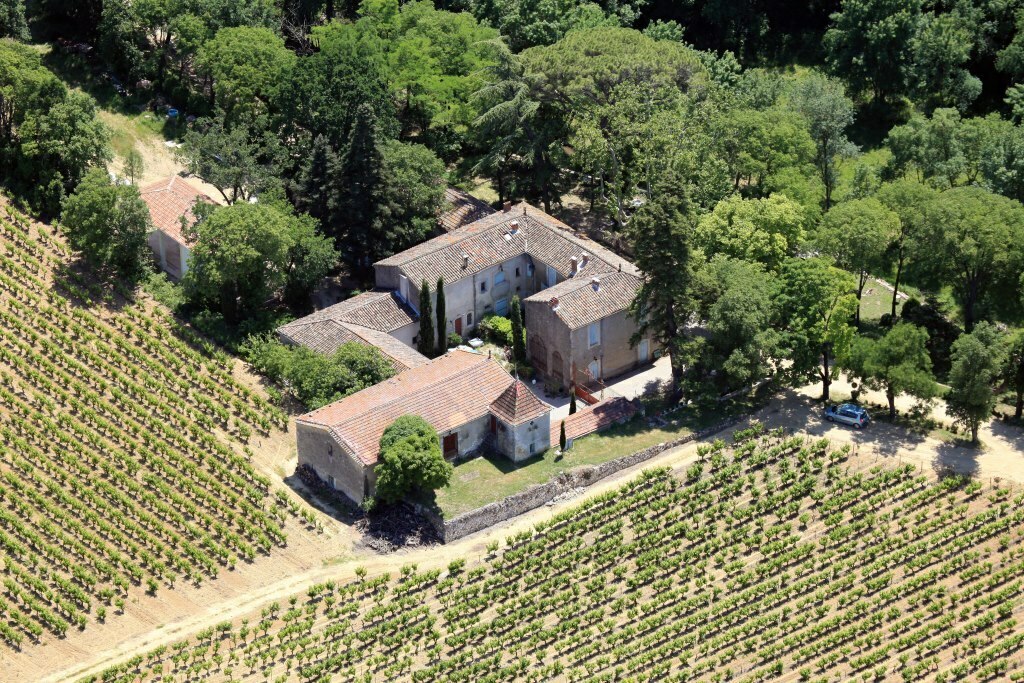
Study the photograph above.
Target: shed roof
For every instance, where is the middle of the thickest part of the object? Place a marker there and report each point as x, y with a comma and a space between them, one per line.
378, 310
169, 200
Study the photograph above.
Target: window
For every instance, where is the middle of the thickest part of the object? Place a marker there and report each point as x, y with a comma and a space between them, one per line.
529, 270
330, 450
552, 276
594, 334
483, 286
333, 481
469, 320
517, 271
499, 277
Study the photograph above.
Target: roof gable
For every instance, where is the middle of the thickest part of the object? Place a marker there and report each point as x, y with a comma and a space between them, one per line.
580, 302
517, 404
170, 200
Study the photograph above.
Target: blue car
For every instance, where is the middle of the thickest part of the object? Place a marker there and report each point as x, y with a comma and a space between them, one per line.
848, 414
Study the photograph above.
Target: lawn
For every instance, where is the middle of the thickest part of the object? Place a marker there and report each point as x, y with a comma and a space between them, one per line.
484, 480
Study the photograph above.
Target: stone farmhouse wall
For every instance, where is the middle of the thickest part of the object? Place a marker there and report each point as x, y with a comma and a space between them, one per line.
541, 494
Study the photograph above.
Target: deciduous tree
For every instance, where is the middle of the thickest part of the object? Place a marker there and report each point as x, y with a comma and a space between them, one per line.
108, 223
817, 305
766, 231
898, 363
823, 103
977, 361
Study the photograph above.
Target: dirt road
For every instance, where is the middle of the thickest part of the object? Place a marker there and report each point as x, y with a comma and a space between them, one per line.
797, 411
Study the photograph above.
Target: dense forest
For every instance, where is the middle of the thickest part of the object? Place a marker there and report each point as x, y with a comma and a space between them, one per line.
761, 164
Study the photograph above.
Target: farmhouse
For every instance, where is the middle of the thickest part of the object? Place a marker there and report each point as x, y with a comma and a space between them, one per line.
522, 251
170, 203
469, 398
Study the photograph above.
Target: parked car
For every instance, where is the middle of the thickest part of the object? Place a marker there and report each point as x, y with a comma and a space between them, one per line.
848, 414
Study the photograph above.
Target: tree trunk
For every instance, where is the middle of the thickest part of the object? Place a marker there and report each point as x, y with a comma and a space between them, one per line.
1020, 405
896, 286
891, 396
974, 431
861, 281
971, 296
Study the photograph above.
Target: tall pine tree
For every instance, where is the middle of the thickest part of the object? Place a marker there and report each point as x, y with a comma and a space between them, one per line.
425, 343
661, 233
361, 180
442, 320
316, 188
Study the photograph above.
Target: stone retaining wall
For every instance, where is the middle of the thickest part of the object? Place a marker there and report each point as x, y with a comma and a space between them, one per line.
540, 494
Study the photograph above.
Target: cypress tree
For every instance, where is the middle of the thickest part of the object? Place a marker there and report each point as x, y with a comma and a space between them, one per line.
561, 438
426, 340
361, 178
572, 399
518, 341
442, 320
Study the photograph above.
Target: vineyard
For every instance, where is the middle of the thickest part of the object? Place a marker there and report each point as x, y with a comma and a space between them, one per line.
124, 462
774, 557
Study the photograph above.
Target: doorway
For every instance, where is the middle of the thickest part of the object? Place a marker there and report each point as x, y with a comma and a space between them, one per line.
643, 351
450, 445
458, 326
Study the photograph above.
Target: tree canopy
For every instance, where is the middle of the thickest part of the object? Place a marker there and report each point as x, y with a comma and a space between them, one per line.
410, 460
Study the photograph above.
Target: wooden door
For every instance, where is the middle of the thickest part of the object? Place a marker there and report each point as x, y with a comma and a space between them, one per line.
458, 326
451, 444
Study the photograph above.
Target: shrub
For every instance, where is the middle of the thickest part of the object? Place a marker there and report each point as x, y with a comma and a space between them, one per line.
313, 378
454, 340
410, 459
497, 329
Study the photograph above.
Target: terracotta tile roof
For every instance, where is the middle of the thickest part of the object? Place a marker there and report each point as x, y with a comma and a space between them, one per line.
518, 404
447, 392
378, 310
580, 304
491, 240
461, 209
326, 336
593, 419
170, 199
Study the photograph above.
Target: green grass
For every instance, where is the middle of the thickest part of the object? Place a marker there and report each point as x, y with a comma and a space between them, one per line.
876, 301
487, 479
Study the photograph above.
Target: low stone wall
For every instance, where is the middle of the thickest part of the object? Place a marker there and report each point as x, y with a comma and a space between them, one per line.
540, 494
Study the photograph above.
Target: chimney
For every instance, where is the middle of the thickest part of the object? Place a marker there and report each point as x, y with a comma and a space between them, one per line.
553, 302
507, 207
595, 282
573, 266
620, 266
586, 259
465, 261
514, 225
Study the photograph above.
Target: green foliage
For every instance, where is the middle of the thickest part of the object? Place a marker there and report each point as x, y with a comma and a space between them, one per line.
973, 240
572, 402
870, 44
317, 379
108, 223
425, 342
561, 436
12, 20
977, 359
828, 112
817, 307
661, 233
757, 144
442, 319
737, 300
245, 253
518, 333
909, 200
497, 329
765, 231
1013, 370
410, 460
160, 287
897, 363
857, 235
240, 160
248, 66
526, 23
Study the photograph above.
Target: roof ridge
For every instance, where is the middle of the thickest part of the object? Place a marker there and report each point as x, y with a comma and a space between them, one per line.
398, 378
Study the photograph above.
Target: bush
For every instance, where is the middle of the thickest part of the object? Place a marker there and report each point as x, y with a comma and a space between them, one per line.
497, 329
160, 287
455, 340
410, 459
316, 379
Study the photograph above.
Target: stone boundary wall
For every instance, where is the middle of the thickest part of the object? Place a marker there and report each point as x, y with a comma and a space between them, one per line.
540, 494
